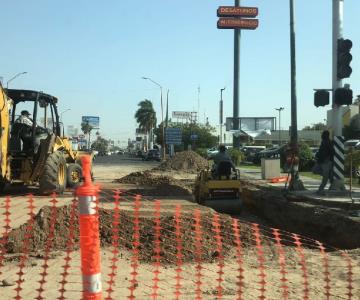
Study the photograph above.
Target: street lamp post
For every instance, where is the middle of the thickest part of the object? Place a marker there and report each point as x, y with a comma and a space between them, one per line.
61, 119
279, 110
12, 78
162, 114
221, 114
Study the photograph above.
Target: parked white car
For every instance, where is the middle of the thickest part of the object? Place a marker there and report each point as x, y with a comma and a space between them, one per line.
212, 152
352, 144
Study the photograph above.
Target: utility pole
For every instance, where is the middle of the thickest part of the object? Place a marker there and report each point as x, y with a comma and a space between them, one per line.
295, 182
221, 119
237, 34
339, 157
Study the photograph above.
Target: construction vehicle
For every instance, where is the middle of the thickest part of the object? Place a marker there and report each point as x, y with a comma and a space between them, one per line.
37, 154
220, 191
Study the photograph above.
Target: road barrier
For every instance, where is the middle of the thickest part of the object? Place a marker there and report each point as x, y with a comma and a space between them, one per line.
87, 195
151, 249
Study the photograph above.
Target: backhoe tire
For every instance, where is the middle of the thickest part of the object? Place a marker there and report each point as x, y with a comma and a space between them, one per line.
74, 175
53, 178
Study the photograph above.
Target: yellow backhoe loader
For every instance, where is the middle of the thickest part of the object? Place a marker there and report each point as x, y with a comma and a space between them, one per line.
34, 152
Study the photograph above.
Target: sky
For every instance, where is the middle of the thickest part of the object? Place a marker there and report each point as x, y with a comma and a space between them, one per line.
92, 55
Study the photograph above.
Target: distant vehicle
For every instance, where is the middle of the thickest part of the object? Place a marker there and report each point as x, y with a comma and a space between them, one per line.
314, 151
152, 154
250, 151
352, 144
121, 152
275, 152
212, 152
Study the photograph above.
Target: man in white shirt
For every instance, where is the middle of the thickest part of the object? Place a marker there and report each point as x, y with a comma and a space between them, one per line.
24, 118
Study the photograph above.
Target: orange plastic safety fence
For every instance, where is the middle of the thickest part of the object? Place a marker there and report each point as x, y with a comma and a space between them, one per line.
25, 248
153, 250
70, 244
115, 246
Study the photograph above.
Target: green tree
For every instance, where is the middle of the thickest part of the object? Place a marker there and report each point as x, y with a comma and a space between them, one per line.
317, 126
100, 144
86, 129
146, 116
204, 133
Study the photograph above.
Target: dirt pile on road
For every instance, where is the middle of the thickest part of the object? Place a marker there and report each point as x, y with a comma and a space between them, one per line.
187, 161
38, 237
155, 185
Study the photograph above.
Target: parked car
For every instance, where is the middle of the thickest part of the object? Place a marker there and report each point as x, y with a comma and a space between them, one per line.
250, 151
352, 144
152, 154
275, 152
212, 152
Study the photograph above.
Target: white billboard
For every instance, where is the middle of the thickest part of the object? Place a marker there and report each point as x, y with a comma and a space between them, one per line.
181, 114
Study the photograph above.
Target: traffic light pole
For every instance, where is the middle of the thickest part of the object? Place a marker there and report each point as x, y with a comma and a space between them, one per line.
237, 34
337, 124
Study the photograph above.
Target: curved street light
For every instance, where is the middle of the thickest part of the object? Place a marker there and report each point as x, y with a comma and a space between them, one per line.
12, 78
162, 113
61, 119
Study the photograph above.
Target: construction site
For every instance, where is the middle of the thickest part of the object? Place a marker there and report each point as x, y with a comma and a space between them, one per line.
156, 242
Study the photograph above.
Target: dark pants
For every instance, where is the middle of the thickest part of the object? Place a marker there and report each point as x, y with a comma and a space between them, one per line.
326, 173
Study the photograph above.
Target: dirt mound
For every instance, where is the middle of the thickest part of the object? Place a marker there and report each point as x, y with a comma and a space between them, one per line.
160, 185
36, 241
188, 161
146, 178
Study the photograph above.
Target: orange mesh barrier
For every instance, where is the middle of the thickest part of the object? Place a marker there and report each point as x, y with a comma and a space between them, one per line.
149, 249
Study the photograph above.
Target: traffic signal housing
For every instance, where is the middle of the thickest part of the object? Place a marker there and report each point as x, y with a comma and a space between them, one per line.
344, 58
321, 98
343, 96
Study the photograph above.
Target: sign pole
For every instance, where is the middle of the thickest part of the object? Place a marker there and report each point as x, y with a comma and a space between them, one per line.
237, 34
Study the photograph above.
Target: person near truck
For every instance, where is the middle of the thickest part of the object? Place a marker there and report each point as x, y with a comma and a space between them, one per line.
325, 157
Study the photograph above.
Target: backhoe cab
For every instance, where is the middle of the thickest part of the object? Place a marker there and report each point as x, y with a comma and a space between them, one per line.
33, 151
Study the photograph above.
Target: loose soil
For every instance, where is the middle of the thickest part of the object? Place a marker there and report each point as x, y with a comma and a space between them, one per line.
37, 239
155, 185
186, 161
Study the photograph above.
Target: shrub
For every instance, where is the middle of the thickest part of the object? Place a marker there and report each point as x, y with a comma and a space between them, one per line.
202, 152
355, 155
306, 157
236, 156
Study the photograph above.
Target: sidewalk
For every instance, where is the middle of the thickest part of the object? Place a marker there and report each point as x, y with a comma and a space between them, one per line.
311, 185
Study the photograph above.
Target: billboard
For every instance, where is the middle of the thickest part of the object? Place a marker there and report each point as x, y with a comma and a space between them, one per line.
181, 114
93, 121
234, 23
252, 124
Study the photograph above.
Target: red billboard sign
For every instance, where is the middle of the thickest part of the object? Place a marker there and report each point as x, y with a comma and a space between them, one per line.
234, 11
233, 23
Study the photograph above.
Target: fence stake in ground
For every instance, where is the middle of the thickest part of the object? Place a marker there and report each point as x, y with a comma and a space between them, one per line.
89, 235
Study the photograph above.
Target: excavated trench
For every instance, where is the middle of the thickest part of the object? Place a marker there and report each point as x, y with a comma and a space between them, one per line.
329, 223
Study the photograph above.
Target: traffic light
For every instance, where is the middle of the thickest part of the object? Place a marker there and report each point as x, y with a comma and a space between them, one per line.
321, 98
344, 58
343, 96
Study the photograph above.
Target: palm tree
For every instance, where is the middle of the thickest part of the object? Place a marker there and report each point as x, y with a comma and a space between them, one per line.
86, 129
146, 117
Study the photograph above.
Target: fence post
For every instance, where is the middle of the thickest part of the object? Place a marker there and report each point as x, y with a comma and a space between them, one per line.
87, 195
